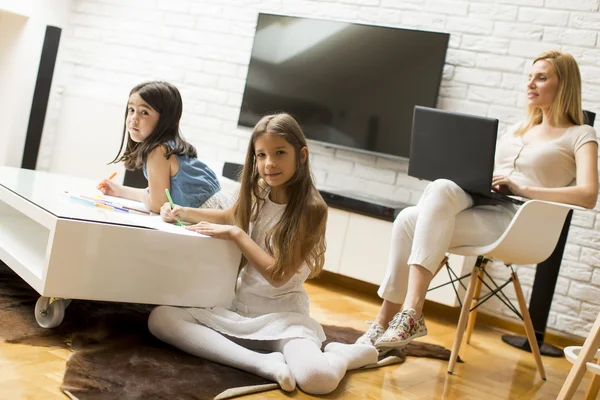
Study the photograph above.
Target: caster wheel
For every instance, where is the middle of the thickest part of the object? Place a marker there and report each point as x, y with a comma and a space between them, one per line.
49, 315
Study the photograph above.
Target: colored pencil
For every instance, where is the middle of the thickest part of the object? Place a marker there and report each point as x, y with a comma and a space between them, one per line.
172, 205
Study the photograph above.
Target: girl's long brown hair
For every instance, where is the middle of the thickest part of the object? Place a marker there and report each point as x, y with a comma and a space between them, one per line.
567, 103
305, 217
164, 98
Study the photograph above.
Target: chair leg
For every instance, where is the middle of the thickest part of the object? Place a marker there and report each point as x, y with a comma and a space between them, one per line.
594, 387
590, 346
533, 344
441, 265
462, 321
473, 314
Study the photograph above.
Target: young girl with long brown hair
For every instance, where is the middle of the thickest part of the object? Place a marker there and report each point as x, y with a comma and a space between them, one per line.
278, 223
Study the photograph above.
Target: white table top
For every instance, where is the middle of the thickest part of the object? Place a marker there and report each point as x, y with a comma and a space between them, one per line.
52, 192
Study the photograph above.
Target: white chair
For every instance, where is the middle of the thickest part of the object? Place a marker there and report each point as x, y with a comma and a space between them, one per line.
529, 239
581, 357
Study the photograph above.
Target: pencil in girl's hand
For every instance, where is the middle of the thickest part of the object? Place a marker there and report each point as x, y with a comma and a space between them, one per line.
172, 205
109, 178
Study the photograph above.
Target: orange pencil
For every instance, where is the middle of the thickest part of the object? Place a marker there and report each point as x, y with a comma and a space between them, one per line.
109, 178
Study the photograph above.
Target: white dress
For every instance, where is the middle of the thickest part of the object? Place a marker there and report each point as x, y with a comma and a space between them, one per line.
261, 311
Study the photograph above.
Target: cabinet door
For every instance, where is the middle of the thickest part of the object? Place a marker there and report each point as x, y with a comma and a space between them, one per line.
337, 225
366, 249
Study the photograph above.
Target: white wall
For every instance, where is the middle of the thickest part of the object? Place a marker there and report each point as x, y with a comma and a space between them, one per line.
204, 46
22, 29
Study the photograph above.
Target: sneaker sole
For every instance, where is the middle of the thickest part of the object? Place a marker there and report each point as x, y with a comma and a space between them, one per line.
391, 345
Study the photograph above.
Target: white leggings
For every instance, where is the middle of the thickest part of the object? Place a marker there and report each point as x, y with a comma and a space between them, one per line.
286, 362
445, 217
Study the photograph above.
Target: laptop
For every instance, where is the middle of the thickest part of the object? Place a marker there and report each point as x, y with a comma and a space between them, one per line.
458, 147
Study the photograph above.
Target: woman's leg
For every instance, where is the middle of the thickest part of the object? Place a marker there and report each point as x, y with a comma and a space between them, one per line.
178, 328
394, 286
472, 226
318, 372
420, 235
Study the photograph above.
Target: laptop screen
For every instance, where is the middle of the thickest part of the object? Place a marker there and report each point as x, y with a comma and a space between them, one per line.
454, 146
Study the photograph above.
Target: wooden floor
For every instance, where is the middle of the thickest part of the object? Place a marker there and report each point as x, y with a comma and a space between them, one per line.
492, 369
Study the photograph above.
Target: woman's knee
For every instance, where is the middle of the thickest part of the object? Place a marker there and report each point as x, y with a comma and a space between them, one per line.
444, 193
444, 187
407, 217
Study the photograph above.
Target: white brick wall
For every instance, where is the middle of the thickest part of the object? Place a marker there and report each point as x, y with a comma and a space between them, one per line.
203, 47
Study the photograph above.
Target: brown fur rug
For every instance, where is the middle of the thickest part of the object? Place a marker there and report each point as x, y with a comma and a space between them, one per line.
115, 357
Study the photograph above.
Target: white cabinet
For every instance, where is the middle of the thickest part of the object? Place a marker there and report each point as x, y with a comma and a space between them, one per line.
358, 247
366, 248
335, 236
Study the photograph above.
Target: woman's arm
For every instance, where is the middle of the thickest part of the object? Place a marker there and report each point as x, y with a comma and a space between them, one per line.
252, 251
584, 193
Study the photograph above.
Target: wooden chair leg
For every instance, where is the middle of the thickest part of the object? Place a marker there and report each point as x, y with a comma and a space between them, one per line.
590, 346
462, 321
594, 388
441, 265
474, 302
533, 344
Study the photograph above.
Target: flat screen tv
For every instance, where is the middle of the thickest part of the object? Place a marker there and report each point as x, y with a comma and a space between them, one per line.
349, 85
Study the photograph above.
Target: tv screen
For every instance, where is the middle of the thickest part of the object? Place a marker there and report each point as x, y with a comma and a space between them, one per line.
349, 85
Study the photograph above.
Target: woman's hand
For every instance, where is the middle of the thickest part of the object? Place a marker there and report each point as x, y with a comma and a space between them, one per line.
218, 231
169, 215
504, 185
110, 188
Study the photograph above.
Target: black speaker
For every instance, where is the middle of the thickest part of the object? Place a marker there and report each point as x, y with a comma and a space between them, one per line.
232, 170
135, 179
41, 95
589, 117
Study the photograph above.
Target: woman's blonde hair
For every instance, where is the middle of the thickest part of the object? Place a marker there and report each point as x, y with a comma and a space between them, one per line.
567, 103
305, 216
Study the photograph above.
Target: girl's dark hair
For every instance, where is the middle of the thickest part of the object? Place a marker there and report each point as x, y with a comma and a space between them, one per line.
164, 98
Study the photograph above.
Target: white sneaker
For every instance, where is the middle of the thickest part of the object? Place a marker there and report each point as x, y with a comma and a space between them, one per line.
402, 330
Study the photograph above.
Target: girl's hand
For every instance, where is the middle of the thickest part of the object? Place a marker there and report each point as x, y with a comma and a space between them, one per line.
110, 188
503, 184
218, 231
169, 215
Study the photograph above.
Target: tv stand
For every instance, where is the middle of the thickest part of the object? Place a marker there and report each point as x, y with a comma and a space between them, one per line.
370, 207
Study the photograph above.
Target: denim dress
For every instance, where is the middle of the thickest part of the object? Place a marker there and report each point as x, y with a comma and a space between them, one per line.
193, 184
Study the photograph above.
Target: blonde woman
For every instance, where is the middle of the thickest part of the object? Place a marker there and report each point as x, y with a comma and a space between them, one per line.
551, 156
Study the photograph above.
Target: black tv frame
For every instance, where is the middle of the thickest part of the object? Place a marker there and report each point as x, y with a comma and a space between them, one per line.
349, 148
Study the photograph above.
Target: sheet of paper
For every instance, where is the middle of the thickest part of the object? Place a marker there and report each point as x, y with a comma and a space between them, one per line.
152, 221
180, 230
123, 202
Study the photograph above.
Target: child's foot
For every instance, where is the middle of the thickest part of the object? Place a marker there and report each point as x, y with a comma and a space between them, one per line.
275, 368
357, 355
402, 330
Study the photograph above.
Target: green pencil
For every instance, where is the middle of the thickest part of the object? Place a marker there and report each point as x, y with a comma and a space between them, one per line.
172, 205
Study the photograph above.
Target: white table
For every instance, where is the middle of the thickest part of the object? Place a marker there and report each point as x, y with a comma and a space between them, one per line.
65, 249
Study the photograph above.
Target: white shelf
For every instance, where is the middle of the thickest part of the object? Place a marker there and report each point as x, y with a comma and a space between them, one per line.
23, 244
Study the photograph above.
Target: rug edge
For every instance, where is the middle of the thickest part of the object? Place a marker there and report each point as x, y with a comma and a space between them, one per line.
244, 390
70, 395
